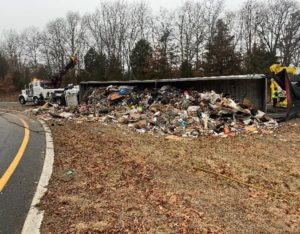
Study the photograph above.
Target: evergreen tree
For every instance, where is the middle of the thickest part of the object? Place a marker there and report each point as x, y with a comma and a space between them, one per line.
4, 67
20, 79
186, 69
42, 72
164, 57
90, 60
140, 60
221, 58
100, 70
95, 65
114, 69
258, 60
159, 65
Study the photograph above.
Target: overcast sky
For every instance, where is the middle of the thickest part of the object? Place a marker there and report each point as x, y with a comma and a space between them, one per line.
20, 14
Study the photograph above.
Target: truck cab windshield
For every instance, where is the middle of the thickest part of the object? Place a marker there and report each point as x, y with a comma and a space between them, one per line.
47, 86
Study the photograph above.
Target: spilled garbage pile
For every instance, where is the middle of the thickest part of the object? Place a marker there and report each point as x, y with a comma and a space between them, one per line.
166, 111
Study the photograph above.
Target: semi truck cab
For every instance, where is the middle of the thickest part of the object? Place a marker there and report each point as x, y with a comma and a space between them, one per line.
38, 91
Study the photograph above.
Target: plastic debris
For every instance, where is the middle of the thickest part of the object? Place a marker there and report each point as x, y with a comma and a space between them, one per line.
166, 111
69, 172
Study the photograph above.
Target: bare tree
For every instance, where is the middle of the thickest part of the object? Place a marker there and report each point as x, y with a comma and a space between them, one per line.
164, 43
63, 38
54, 44
212, 12
163, 31
32, 46
74, 36
195, 26
248, 20
200, 32
272, 18
180, 36
137, 27
290, 40
186, 27
14, 49
116, 26
93, 24
231, 19
74, 33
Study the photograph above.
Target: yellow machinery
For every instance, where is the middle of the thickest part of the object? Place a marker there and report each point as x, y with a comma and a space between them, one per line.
276, 68
276, 91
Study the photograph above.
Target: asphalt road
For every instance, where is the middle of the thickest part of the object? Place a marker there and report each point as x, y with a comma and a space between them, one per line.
21, 161
15, 106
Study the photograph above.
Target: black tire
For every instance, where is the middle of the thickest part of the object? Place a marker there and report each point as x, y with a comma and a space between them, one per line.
22, 100
59, 101
36, 101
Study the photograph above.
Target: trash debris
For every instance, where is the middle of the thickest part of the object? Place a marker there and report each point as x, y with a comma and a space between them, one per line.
165, 111
115, 96
66, 115
69, 172
251, 129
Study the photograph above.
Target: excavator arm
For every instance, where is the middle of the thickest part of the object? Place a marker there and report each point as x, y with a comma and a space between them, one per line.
292, 90
292, 93
58, 78
277, 68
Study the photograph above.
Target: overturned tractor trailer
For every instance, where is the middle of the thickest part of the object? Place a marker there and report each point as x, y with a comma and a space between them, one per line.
239, 87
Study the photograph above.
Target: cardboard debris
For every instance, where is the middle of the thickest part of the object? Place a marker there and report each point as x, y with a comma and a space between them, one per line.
115, 96
166, 111
250, 129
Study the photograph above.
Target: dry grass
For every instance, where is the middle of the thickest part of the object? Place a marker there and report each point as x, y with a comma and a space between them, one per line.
126, 182
9, 97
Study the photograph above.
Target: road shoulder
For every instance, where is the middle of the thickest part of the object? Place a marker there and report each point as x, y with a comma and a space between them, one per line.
35, 216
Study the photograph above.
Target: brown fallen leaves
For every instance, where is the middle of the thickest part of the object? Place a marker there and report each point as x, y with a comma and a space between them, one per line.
124, 182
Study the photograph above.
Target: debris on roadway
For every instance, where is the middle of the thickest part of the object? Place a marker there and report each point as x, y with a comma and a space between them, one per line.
166, 111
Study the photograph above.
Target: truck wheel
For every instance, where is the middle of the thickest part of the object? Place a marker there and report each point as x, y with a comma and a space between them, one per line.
59, 101
36, 101
22, 100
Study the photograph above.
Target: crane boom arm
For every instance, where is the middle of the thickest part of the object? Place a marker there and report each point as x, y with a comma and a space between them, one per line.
276, 68
57, 79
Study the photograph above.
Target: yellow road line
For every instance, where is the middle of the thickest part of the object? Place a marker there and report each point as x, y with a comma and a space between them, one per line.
12, 167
